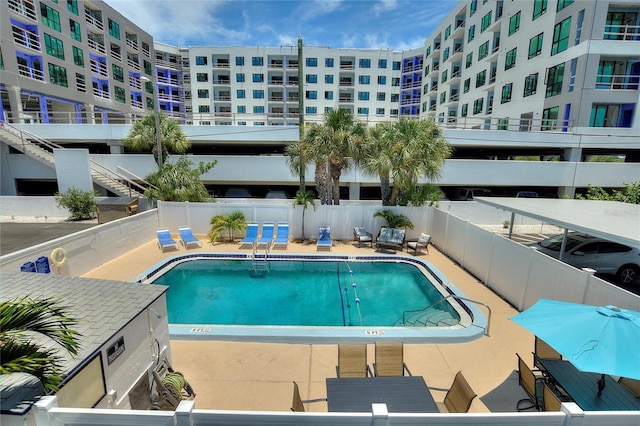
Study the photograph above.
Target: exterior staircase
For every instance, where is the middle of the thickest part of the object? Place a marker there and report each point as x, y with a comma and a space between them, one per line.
42, 150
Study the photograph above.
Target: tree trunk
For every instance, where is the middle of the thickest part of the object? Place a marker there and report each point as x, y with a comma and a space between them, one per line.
304, 208
336, 172
394, 195
322, 184
385, 189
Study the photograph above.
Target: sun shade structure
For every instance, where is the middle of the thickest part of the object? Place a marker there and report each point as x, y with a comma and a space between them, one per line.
596, 339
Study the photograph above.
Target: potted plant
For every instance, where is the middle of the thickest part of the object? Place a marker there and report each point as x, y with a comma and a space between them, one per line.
231, 222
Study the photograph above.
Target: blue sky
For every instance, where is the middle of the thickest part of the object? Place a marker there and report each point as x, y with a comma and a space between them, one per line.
380, 24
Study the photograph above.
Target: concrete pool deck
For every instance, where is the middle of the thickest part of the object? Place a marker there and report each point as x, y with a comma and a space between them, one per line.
258, 376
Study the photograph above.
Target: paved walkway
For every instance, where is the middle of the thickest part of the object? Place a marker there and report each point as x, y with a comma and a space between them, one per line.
258, 376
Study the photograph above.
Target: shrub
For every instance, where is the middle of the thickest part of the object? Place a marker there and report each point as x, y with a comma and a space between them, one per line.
81, 204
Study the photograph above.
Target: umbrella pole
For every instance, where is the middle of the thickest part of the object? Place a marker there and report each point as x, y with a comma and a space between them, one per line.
601, 385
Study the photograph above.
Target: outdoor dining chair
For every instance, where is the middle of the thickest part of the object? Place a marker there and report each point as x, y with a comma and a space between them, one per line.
531, 385
297, 404
542, 350
550, 401
352, 361
389, 359
459, 397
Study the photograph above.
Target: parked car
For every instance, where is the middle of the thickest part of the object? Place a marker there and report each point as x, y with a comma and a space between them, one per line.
527, 194
237, 193
467, 194
603, 256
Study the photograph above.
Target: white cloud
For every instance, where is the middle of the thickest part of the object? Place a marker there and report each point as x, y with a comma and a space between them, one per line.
385, 6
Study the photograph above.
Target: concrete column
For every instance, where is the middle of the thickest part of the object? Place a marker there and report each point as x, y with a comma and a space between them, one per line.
44, 110
115, 148
89, 114
354, 191
15, 104
573, 154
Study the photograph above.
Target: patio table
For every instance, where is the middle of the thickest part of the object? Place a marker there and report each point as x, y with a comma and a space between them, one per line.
582, 387
405, 394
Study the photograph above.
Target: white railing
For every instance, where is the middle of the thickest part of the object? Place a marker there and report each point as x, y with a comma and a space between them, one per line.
133, 64
132, 43
24, 8
93, 20
34, 73
617, 82
25, 38
99, 68
622, 32
116, 55
96, 45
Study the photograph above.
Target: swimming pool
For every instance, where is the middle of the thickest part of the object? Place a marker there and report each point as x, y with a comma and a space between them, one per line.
312, 298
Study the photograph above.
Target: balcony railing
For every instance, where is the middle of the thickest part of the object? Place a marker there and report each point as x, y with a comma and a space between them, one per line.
96, 45
617, 82
99, 68
25, 38
33, 73
134, 82
24, 8
346, 83
133, 64
347, 66
132, 43
93, 20
622, 32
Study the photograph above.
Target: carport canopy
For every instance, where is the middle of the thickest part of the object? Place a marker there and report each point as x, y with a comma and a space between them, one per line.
611, 220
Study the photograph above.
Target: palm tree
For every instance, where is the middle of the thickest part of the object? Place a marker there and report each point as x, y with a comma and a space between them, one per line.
304, 198
142, 136
231, 222
20, 319
374, 158
297, 159
179, 182
312, 138
394, 220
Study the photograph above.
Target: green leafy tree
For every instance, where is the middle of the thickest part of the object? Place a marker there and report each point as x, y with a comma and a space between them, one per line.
230, 223
393, 220
142, 136
374, 156
304, 198
420, 195
297, 160
81, 204
630, 194
23, 319
321, 172
179, 182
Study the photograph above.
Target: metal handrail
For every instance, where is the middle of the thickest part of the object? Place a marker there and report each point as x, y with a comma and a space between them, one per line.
452, 296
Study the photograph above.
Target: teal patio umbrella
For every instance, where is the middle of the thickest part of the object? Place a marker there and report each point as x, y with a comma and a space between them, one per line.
596, 339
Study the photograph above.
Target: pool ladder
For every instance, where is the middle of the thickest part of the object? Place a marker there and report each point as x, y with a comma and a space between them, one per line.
259, 266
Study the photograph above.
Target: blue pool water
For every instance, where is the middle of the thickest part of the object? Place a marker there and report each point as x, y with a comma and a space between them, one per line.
302, 293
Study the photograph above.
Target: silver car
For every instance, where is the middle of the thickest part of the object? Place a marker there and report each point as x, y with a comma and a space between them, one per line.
603, 256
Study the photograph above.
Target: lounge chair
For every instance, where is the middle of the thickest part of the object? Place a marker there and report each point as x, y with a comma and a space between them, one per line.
362, 236
392, 238
187, 238
459, 397
165, 240
423, 241
532, 386
352, 361
282, 238
251, 236
297, 403
267, 235
324, 237
390, 359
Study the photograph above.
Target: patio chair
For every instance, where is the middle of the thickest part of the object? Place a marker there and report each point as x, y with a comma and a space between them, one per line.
423, 241
267, 235
282, 238
297, 404
542, 350
251, 236
389, 359
531, 385
632, 385
362, 236
352, 361
550, 401
324, 237
187, 238
459, 397
165, 240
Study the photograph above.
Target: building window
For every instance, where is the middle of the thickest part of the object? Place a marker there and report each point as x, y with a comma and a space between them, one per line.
395, 97
50, 17
471, 33
201, 60
473, 7
312, 62
328, 95
242, 109
506, 93
364, 63
514, 23
562, 4
202, 77
530, 85
76, 33
443, 97
258, 109
483, 50
363, 96
396, 65
382, 80
428, 52
58, 75
445, 76
466, 85
239, 61
72, 6
328, 62
364, 79
393, 112
535, 46
120, 94
147, 67
561, 36
549, 118
114, 29
510, 59
328, 78
203, 94
363, 111
258, 94
555, 75
445, 54
381, 96
240, 77
257, 78
257, 61
258, 123
311, 110
481, 78
78, 57
54, 46
241, 94
477, 106
328, 109
118, 73
604, 116
463, 110
379, 111
311, 78
382, 63
203, 108
469, 60
539, 8
486, 22
311, 94
395, 82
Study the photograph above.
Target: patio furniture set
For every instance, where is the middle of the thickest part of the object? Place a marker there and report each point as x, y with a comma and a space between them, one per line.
391, 238
390, 382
